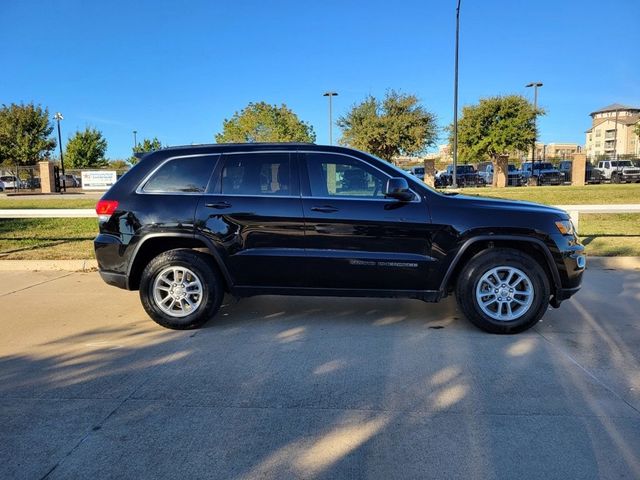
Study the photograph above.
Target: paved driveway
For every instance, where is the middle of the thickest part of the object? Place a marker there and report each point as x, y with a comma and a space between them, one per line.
285, 387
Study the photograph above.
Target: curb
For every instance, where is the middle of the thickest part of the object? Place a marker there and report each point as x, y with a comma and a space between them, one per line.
613, 263
595, 263
49, 265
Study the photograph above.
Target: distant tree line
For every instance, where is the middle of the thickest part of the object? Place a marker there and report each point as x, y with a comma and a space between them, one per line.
396, 124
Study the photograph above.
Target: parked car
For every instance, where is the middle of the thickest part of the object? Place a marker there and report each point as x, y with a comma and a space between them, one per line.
11, 182
71, 181
466, 176
541, 173
619, 171
417, 172
1, 186
515, 178
591, 175
188, 224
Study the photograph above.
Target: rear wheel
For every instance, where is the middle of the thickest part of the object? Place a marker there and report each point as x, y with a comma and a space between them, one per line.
181, 289
503, 290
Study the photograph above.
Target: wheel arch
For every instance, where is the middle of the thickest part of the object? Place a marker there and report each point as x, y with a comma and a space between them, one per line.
472, 246
154, 244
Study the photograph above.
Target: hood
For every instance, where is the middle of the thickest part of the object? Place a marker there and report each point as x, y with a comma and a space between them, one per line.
499, 204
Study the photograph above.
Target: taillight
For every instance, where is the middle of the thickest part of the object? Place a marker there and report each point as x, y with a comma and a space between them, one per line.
105, 208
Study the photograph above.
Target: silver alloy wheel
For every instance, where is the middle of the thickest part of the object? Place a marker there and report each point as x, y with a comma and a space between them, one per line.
505, 293
177, 291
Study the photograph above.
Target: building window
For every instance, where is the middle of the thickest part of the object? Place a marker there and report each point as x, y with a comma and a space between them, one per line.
597, 133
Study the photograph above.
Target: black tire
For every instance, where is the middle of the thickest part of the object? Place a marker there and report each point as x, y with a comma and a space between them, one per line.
615, 178
482, 263
199, 264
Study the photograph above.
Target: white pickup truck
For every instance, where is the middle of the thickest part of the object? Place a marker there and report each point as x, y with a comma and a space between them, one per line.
618, 171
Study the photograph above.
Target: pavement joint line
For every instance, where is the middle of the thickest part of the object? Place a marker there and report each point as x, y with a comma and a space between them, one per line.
585, 370
37, 284
99, 425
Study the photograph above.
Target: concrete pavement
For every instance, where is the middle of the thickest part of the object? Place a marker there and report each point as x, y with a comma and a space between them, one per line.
286, 387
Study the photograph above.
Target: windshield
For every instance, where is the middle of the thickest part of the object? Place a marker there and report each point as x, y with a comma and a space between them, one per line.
401, 172
465, 169
621, 163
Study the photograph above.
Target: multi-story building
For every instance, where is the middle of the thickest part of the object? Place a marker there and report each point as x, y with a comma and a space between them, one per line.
553, 151
613, 132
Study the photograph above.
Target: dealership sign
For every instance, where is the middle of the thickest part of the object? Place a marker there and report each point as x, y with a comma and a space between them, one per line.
98, 179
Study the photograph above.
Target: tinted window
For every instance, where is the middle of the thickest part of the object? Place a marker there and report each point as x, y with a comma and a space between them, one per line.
332, 175
257, 174
189, 174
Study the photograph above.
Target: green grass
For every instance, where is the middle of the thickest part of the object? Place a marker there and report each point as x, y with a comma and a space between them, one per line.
47, 238
565, 194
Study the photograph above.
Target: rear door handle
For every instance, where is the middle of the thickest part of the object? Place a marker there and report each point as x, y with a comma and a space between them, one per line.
218, 205
324, 209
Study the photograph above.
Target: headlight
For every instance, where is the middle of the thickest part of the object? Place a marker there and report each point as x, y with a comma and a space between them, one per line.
565, 227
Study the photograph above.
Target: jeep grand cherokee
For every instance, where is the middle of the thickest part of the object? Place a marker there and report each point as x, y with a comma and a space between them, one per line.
187, 224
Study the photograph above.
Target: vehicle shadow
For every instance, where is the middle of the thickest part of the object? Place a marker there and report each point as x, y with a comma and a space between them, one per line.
314, 387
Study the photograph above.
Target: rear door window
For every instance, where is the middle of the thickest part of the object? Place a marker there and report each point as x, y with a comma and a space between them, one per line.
182, 175
261, 174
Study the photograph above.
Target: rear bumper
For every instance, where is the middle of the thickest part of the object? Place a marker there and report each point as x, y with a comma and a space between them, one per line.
112, 265
119, 280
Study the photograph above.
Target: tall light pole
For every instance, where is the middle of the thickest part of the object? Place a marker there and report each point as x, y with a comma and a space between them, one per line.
135, 139
330, 95
58, 116
454, 183
535, 86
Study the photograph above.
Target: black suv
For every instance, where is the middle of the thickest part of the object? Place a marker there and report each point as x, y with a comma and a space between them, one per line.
187, 224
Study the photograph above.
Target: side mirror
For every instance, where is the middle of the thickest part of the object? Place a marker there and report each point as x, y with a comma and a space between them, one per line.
398, 188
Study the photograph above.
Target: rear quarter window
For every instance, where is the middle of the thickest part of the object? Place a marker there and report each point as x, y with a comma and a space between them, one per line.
182, 175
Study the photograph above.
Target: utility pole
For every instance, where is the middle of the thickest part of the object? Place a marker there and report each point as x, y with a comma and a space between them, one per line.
135, 139
455, 102
330, 95
535, 86
58, 116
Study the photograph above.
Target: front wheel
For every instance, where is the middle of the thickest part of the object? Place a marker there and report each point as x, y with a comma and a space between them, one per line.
181, 289
503, 290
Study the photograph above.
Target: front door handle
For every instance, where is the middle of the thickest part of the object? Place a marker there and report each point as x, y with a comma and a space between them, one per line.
218, 205
324, 209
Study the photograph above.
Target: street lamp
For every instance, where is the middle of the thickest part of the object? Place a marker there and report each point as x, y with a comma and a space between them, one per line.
135, 140
58, 116
330, 95
535, 86
454, 183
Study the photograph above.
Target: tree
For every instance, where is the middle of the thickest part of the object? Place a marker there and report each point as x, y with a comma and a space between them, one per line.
147, 145
397, 125
638, 130
86, 149
261, 122
24, 134
495, 126
119, 164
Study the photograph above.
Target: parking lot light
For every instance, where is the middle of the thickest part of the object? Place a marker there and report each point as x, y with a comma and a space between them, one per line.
58, 116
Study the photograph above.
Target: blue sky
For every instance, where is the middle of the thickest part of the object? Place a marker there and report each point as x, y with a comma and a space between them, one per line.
176, 69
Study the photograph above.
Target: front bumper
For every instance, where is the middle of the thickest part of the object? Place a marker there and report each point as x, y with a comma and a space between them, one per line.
570, 260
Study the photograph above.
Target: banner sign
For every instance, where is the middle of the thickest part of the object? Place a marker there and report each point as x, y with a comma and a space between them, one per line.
98, 179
